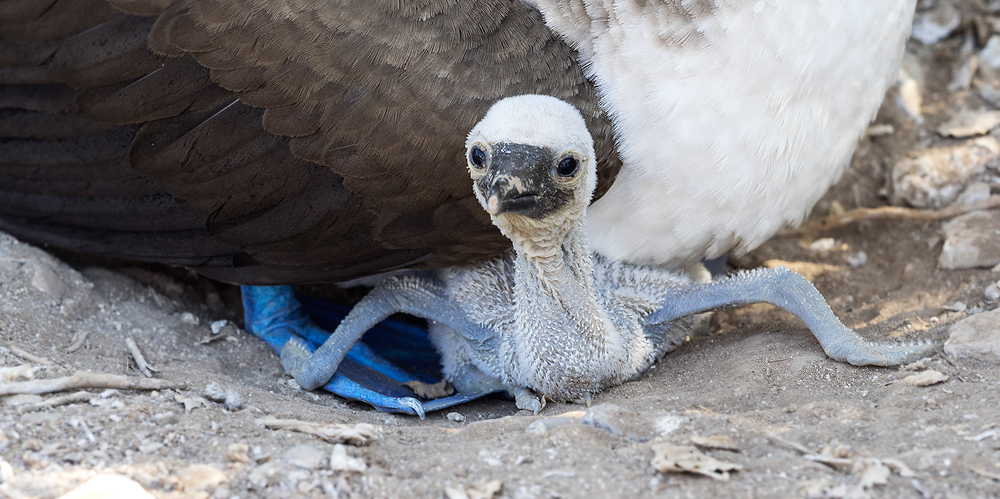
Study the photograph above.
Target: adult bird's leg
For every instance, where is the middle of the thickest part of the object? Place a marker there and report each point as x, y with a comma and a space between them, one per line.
274, 314
786, 289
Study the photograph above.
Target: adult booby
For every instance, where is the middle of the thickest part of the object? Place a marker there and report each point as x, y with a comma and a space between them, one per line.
304, 141
549, 318
278, 142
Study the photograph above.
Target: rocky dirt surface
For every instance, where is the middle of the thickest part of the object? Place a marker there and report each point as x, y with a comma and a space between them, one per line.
753, 409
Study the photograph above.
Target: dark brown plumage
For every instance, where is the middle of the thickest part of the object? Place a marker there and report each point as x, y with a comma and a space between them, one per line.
263, 141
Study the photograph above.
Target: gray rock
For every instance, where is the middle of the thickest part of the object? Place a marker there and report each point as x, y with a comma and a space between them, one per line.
935, 177
971, 240
992, 292
977, 336
47, 280
214, 392
233, 400
618, 421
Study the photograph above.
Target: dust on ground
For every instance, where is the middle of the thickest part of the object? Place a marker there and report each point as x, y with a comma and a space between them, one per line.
756, 400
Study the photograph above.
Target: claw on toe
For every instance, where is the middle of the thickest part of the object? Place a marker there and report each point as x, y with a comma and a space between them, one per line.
414, 404
526, 400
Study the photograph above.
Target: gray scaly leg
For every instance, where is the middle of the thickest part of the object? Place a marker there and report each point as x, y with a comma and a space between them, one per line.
407, 294
786, 289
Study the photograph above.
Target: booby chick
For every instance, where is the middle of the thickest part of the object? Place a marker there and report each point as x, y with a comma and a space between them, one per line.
549, 318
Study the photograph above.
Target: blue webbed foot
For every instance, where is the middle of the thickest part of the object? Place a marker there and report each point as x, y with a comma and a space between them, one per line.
273, 314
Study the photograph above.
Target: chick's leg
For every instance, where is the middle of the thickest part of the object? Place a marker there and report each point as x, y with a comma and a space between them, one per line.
786, 289
274, 315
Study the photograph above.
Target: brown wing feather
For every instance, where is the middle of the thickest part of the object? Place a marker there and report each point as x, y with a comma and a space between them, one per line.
343, 155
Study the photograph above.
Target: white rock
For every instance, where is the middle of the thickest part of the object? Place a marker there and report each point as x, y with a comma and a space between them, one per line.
340, 461
935, 177
977, 336
456, 417
218, 325
971, 240
109, 486
823, 244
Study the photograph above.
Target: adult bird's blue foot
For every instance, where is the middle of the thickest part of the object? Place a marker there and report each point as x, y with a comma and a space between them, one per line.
275, 315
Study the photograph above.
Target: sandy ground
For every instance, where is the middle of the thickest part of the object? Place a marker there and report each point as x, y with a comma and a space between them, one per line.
757, 392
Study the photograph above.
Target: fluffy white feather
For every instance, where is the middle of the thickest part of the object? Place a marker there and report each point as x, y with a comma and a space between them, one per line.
732, 117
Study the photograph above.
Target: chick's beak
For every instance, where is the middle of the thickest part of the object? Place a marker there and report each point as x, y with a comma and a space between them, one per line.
507, 195
520, 181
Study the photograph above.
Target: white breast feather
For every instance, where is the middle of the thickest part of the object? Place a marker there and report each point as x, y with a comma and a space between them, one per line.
732, 117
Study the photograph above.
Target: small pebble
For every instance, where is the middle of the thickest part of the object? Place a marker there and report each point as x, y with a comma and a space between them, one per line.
956, 307
189, 318
857, 259
233, 400
926, 378
971, 240
976, 336
214, 392
824, 244
238, 453
456, 417
218, 325
304, 456
993, 292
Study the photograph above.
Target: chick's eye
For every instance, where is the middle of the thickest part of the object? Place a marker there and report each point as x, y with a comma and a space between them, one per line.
567, 167
477, 156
